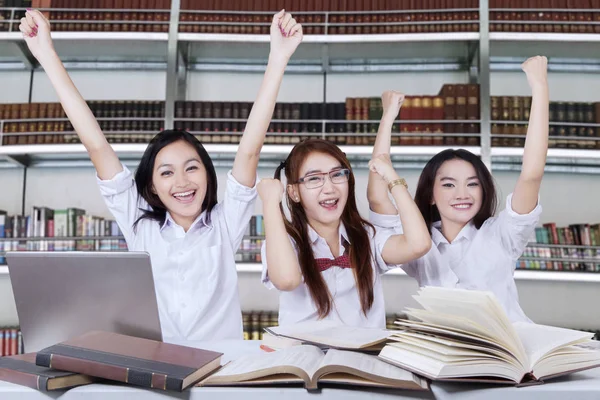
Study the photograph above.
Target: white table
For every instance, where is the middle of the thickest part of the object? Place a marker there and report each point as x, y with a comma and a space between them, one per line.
582, 385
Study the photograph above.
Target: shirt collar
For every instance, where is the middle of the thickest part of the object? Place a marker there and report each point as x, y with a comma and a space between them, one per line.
468, 232
201, 220
314, 236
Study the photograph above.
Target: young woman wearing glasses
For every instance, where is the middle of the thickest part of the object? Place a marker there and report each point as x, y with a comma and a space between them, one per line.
327, 260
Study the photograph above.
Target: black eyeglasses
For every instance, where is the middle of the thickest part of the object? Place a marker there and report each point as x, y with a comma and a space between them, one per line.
313, 181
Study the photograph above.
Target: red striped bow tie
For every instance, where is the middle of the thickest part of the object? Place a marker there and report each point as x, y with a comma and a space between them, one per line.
325, 263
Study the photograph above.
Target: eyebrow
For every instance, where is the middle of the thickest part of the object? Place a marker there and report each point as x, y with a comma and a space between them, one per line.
170, 165
447, 178
312, 171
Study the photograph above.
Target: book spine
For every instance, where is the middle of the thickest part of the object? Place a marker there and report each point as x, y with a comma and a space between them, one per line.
111, 371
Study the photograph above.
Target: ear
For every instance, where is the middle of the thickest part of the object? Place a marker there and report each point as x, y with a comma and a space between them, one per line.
293, 193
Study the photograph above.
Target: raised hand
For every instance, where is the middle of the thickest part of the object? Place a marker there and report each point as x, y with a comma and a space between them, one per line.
270, 190
382, 165
36, 32
286, 35
536, 69
392, 101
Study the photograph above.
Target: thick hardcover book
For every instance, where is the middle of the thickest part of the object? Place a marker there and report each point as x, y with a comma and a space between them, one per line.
132, 360
458, 326
22, 370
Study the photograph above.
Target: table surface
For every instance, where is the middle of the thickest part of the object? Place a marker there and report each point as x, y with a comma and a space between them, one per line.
581, 385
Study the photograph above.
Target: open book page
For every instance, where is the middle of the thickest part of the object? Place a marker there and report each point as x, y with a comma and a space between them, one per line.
481, 308
436, 366
540, 340
304, 358
453, 346
567, 359
367, 366
332, 334
464, 324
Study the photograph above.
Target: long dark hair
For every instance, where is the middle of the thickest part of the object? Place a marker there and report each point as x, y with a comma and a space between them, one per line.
424, 193
144, 172
360, 250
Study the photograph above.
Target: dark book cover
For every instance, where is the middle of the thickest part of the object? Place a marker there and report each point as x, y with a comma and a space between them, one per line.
22, 370
132, 360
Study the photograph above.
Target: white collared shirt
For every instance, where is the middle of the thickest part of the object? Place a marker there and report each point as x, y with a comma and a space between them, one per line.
297, 305
195, 275
478, 259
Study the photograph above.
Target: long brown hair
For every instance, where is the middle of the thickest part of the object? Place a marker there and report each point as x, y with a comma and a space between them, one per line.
356, 227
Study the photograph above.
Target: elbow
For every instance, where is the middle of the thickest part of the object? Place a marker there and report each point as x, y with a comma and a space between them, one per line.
422, 247
286, 284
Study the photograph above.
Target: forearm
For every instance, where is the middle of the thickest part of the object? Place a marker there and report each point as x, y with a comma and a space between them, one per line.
282, 262
377, 191
246, 160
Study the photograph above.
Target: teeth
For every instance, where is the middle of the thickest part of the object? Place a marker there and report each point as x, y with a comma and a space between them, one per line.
462, 206
184, 194
329, 202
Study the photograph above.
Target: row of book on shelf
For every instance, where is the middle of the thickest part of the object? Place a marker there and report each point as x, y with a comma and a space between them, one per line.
330, 17
354, 122
452, 327
77, 227
579, 121
223, 122
73, 228
584, 258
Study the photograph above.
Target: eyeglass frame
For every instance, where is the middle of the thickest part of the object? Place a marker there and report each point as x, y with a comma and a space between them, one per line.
322, 174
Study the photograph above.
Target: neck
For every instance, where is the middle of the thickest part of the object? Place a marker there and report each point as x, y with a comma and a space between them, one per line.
184, 222
329, 232
451, 229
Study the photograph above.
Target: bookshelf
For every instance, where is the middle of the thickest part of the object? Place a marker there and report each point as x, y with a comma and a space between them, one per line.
477, 49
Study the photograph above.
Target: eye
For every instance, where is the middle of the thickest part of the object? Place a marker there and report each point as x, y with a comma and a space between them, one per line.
448, 185
314, 178
192, 168
165, 173
338, 174
473, 184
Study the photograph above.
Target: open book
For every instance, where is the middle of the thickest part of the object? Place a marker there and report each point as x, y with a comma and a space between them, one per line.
465, 335
330, 334
309, 365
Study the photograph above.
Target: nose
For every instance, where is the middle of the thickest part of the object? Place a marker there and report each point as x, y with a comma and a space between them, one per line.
462, 192
328, 185
180, 180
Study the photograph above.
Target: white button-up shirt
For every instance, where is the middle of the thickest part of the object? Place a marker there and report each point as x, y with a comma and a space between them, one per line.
478, 259
195, 275
297, 305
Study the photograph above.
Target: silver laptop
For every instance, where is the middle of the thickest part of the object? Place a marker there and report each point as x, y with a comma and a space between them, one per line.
60, 295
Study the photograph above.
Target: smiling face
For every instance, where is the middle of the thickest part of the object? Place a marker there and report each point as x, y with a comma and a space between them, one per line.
457, 192
179, 179
325, 204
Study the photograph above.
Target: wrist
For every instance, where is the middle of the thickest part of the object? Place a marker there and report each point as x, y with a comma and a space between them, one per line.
278, 59
392, 176
390, 115
400, 182
47, 56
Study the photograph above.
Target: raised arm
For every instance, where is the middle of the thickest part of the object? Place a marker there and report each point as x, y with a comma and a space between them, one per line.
282, 261
525, 196
286, 35
415, 241
377, 192
36, 32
